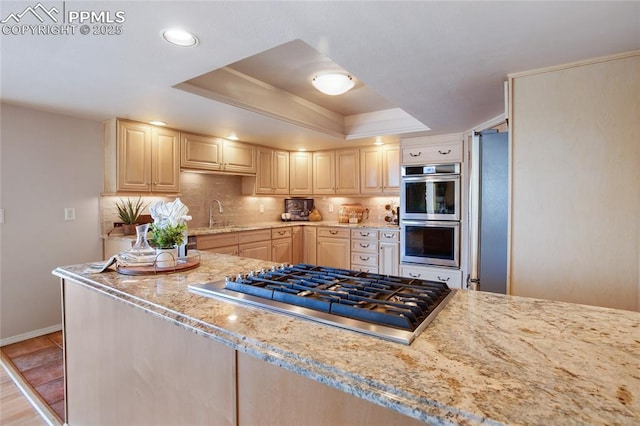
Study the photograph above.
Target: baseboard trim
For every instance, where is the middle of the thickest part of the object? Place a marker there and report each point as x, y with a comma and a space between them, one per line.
30, 335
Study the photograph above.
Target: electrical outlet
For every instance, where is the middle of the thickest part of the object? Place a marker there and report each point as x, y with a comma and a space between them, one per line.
69, 213
330, 208
261, 208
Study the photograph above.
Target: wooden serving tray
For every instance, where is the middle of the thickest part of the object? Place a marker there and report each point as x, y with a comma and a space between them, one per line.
183, 265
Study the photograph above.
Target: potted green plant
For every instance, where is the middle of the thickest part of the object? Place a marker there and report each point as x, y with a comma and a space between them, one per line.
168, 231
129, 212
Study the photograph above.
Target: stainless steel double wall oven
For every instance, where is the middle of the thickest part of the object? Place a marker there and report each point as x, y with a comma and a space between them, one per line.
430, 215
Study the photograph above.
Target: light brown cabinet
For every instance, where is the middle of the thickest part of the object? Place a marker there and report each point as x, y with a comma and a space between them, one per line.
380, 170
282, 245
432, 149
336, 172
334, 247
310, 241
272, 174
255, 244
200, 152
225, 243
389, 249
364, 250
140, 158
297, 245
300, 173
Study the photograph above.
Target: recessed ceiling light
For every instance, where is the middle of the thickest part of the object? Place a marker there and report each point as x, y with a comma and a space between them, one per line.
232, 136
378, 141
158, 123
179, 37
302, 149
333, 83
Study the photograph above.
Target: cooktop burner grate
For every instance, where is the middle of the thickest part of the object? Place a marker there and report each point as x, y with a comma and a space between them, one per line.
391, 307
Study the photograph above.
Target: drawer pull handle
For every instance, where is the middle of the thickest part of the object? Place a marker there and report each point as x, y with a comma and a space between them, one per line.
443, 279
333, 232
414, 275
444, 153
364, 259
364, 245
415, 155
362, 234
387, 235
281, 232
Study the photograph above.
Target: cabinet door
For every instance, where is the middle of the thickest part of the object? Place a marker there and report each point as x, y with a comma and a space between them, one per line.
391, 169
309, 240
165, 160
324, 173
264, 172
334, 252
347, 178
300, 173
281, 172
238, 157
281, 250
134, 156
389, 259
200, 152
442, 152
260, 250
297, 245
371, 178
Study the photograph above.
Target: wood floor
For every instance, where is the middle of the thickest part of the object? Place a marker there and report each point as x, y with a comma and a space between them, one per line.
34, 366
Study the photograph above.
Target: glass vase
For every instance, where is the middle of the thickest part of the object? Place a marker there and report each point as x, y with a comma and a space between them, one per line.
141, 246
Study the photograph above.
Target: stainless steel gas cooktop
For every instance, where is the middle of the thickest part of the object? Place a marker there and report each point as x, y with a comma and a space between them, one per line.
389, 307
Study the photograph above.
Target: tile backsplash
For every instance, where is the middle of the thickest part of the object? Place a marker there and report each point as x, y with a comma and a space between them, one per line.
198, 190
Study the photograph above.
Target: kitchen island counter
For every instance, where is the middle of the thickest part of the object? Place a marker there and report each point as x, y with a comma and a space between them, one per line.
485, 358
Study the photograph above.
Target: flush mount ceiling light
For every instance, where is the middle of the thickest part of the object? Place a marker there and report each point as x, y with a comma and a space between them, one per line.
333, 83
180, 37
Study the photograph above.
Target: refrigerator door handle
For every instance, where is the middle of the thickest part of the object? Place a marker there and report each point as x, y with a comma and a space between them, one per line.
473, 283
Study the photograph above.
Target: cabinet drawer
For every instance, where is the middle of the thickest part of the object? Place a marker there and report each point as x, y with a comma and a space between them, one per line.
253, 236
369, 269
280, 233
390, 236
451, 277
333, 232
364, 246
364, 234
450, 152
364, 259
205, 242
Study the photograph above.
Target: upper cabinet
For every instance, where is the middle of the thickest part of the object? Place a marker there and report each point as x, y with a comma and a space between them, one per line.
272, 176
300, 173
380, 170
216, 154
336, 172
432, 149
140, 158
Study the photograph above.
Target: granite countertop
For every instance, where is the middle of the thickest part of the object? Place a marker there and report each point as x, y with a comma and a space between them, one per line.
266, 225
485, 359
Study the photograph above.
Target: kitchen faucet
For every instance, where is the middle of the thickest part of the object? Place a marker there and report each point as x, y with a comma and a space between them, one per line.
211, 220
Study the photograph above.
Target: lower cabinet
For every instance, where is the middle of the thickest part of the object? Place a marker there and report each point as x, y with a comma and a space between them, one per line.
225, 243
297, 245
364, 250
334, 247
389, 249
310, 242
451, 277
281, 245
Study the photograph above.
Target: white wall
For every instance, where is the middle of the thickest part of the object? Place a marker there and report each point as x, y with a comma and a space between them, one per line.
48, 162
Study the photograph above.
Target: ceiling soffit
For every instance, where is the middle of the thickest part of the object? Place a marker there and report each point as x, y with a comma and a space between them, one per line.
293, 100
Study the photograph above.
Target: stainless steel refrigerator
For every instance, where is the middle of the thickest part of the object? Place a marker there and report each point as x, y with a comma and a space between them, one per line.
488, 191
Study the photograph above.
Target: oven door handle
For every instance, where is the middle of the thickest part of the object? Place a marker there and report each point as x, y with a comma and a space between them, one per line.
452, 224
